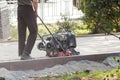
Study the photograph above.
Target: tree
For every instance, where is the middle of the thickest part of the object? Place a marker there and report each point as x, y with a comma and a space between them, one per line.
101, 15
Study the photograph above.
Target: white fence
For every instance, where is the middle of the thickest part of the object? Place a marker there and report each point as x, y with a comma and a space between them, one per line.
50, 10
11, 1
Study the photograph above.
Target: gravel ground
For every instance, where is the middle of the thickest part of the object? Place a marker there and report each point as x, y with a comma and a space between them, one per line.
70, 67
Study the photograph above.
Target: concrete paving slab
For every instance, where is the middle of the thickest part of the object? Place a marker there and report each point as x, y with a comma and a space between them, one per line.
85, 45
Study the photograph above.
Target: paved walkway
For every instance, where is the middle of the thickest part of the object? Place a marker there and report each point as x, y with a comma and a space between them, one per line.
85, 45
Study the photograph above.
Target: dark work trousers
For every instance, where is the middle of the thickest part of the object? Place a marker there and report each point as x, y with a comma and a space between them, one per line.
26, 19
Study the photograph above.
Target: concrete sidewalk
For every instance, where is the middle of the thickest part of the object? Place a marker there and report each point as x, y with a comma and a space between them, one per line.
85, 45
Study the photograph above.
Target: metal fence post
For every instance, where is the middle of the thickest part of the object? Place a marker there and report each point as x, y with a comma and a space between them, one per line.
42, 9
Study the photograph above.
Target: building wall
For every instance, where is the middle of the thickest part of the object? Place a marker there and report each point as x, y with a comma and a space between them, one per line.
4, 20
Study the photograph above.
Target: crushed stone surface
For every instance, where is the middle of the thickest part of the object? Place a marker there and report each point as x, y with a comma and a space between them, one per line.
70, 67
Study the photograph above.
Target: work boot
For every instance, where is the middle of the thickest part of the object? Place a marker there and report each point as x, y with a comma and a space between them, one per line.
25, 57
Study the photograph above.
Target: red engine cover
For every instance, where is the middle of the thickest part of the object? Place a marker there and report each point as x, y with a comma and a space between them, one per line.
61, 54
68, 53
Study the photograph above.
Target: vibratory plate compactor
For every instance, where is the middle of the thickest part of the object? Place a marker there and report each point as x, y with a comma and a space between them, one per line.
58, 44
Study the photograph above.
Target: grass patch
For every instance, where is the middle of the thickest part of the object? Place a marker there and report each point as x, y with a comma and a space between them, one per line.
14, 32
77, 27
99, 75
85, 75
